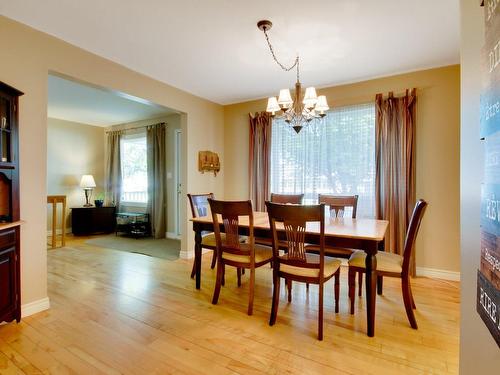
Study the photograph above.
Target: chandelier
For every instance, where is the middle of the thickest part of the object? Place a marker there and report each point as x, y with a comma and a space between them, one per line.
300, 110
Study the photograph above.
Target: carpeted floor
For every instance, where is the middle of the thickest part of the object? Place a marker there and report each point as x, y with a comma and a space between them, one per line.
165, 248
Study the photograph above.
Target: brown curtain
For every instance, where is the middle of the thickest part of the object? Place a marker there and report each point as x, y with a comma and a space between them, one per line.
113, 171
259, 159
395, 166
157, 179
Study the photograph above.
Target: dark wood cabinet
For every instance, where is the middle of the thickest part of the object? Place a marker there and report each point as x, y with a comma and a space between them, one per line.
10, 270
92, 220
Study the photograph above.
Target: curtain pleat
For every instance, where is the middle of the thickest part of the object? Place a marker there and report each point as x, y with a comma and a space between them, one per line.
113, 171
259, 159
395, 166
156, 154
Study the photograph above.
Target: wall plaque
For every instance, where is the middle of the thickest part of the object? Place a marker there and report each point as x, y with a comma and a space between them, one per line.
488, 275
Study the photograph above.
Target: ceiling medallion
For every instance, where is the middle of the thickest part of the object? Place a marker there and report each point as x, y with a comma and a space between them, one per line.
297, 111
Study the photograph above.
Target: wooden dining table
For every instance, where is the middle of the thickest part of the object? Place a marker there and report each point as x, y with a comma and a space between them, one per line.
362, 234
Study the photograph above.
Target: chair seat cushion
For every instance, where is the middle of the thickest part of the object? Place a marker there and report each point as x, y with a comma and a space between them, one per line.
208, 239
331, 266
262, 254
340, 252
386, 262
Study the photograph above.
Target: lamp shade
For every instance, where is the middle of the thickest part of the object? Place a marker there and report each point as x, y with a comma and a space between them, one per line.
285, 99
321, 104
272, 105
310, 97
87, 181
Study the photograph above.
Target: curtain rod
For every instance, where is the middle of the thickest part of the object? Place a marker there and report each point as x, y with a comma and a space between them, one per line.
136, 127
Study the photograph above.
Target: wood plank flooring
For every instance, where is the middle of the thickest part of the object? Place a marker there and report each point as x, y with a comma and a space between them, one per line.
122, 313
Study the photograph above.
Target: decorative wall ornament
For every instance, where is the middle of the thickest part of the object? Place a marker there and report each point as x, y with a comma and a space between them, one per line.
208, 161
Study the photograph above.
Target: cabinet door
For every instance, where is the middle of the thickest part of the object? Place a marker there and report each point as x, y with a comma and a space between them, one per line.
7, 281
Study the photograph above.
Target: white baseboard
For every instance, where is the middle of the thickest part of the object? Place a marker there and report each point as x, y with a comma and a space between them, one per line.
438, 274
190, 255
35, 307
172, 235
59, 231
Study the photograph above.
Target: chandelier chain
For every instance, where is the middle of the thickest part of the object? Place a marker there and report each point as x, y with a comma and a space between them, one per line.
286, 69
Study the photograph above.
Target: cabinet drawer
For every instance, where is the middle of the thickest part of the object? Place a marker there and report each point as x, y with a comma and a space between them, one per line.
7, 238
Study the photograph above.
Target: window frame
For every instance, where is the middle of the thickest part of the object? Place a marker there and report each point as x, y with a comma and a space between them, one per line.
359, 124
124, 138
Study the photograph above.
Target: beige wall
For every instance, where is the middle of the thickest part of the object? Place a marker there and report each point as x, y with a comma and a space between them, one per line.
173, 123
438, 110
73, 149
479, 354
26, 58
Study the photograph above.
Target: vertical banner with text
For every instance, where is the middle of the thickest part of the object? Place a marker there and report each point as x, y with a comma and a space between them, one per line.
488, 275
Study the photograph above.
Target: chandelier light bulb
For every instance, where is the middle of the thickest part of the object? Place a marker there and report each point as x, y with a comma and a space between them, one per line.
322, 105
272, 105
310, 98
285, 98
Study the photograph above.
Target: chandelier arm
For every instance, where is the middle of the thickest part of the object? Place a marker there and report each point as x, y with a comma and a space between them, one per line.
286, 69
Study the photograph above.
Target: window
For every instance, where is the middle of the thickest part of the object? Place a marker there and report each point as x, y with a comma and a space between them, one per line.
134, 169
333, 155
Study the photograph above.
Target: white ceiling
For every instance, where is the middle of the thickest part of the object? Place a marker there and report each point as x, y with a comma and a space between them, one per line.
72, 101
214, 50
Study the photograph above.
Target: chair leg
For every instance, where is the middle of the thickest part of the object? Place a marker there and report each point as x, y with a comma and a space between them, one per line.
251, 293
289, 287
405, 283
223, 282
242, 271
412, 301
307, 286
360, 283
238, 274
352, 287
276, 299
380, 284
337, 290
320, 313
193, 271
214, 259
218, 282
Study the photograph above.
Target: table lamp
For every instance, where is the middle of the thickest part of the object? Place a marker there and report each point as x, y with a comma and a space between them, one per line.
87, 183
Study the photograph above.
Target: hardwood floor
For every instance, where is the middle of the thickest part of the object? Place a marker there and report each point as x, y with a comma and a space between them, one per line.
114, 312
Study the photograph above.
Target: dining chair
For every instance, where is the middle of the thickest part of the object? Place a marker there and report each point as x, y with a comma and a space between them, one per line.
200, 207
296, 264
337, 206
230, 250
392, 265
283, 199
287, 198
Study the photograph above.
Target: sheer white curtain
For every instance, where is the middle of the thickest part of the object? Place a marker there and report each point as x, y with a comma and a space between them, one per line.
335, 155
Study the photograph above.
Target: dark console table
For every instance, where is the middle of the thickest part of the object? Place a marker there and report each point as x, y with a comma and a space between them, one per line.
92, 220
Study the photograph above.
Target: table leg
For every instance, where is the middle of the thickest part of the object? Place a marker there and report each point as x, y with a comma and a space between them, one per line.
54, 224
197, 257
371, 293
64, 223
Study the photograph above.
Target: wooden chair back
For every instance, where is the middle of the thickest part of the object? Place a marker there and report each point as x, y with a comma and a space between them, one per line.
287, 198
411, 234
294, 220
337, 204
199, 204
230, 212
